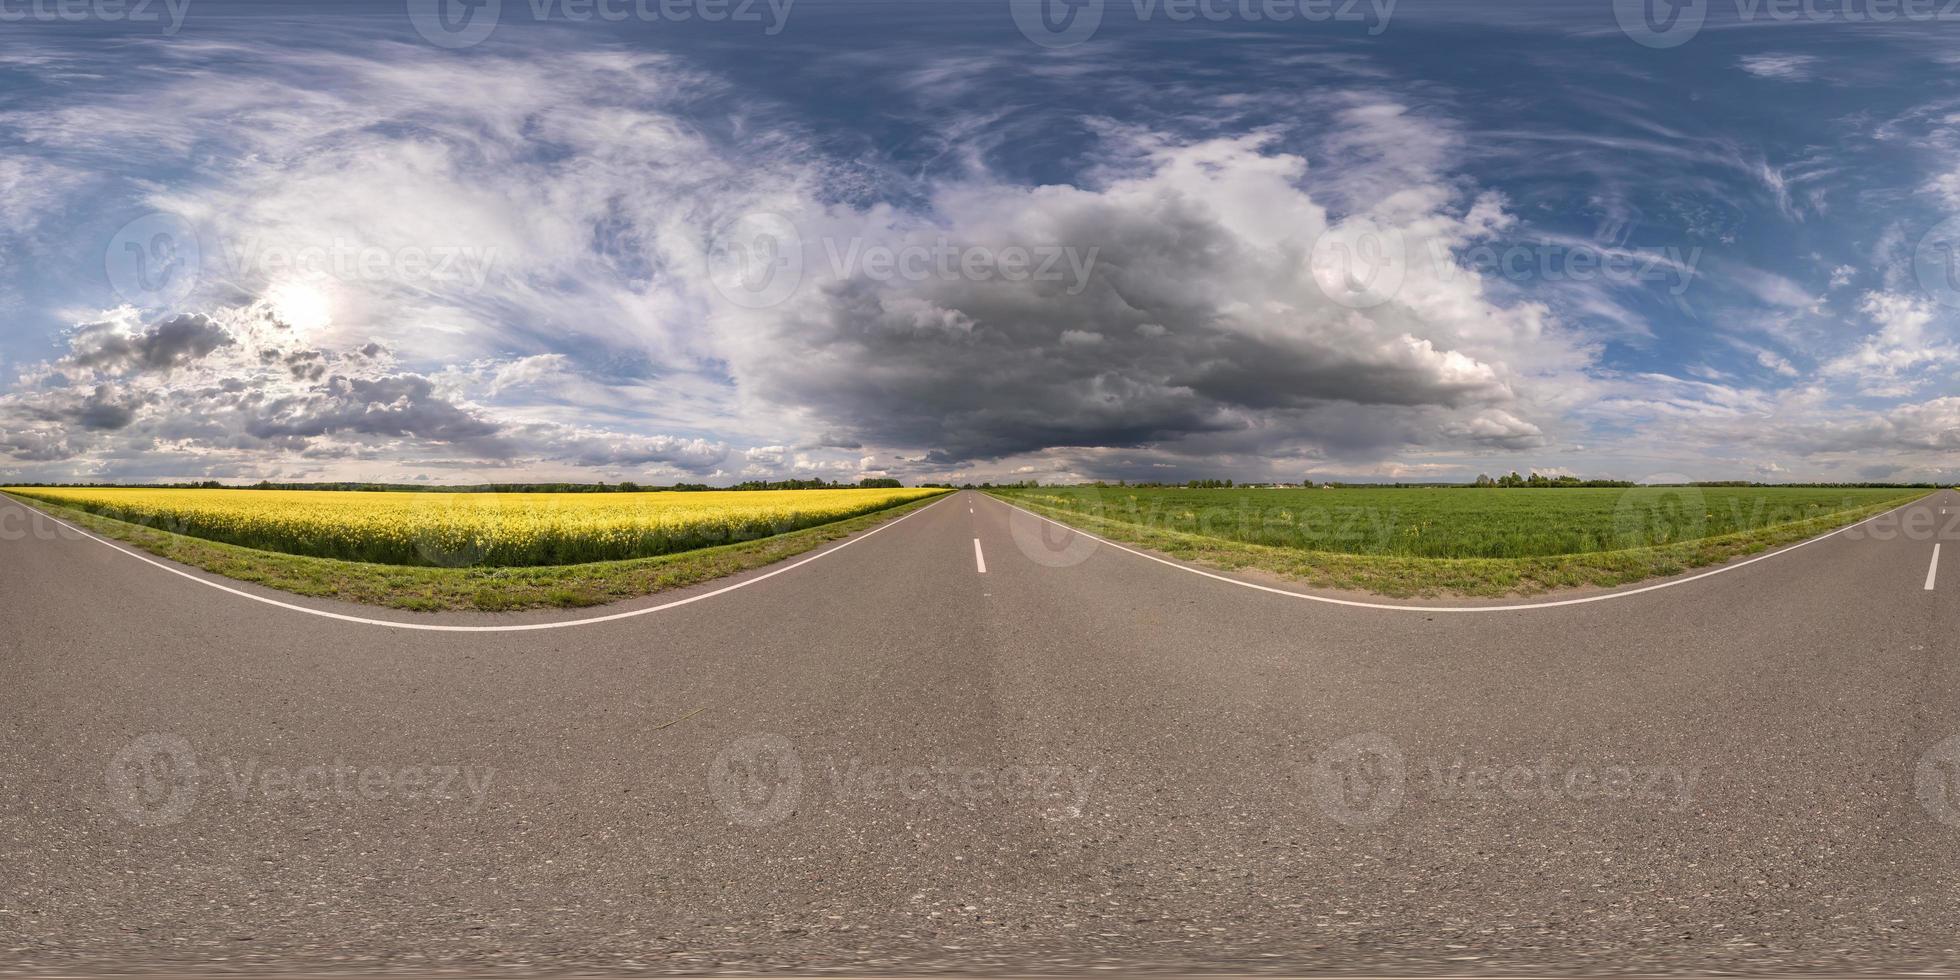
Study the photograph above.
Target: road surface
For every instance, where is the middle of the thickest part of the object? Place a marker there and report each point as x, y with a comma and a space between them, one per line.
964, 743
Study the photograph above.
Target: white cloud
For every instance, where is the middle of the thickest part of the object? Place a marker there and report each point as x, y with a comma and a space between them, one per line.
1782, 67
1885, 362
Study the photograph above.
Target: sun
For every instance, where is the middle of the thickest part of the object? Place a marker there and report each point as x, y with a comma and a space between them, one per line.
303, 306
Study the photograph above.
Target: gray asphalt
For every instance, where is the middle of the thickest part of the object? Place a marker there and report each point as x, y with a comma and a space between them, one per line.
1079, 761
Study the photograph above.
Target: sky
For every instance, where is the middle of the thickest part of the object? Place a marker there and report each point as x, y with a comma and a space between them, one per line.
664, 241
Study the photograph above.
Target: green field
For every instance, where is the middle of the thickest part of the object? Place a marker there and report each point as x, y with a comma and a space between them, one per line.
1459, 522
1443, 540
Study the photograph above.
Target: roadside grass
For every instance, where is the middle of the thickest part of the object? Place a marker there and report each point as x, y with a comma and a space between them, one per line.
1399, 576
474, 529
432, 589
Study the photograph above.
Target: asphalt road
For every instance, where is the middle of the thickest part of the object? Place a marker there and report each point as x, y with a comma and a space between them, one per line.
888, 760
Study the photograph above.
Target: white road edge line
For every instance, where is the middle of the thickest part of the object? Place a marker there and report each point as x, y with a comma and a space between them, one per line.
1933, 569
979, 557
512, 628
1462, 609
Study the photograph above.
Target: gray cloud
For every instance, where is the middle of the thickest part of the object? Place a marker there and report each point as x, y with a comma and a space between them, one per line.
224, 391
1931, 426
167, 344
1196, 315
609, 450
395, 405
100, 407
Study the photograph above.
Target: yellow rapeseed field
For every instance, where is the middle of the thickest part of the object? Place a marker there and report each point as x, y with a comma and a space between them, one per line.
458, 529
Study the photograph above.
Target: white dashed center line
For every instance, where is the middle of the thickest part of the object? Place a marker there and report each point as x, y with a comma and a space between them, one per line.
1932, 570
980, 558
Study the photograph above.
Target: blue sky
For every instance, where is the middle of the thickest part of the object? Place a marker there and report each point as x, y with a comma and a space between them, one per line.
1266, 240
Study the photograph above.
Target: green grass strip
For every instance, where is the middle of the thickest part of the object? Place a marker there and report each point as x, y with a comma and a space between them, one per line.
1406, 577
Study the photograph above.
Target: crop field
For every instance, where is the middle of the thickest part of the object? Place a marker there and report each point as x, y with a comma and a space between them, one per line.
458, 530
1456, 522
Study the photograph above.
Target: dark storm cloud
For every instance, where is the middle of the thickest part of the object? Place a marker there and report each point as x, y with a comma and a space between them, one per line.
1018, 371
1184, 304
165, 345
